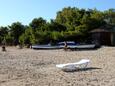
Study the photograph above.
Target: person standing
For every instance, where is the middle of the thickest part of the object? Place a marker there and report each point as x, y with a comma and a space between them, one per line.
65, 46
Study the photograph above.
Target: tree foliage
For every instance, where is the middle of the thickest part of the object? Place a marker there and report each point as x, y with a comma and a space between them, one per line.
69, 24
16, 30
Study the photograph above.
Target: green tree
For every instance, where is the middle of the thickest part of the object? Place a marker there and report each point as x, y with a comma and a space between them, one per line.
27, 37
37, 23
109, 16
3, 33
80, 21
16, 30
9, 39
69, 17
54, 26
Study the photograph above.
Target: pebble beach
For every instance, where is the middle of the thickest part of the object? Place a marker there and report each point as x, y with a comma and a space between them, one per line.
28, 67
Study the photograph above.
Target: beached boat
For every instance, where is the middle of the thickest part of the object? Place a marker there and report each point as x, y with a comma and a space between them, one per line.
48, 46
60, 45
73, 45
85, 46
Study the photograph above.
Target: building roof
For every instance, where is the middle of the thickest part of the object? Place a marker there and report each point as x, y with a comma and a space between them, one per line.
99, 30
106, 28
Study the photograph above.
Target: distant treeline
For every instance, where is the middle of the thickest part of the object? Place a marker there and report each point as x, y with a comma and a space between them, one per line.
70, 24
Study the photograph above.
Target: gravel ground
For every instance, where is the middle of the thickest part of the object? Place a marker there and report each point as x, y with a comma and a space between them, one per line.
28, 67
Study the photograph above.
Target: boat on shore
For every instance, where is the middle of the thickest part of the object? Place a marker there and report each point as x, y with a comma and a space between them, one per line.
48, 46
85, 46
73, 45
60, 45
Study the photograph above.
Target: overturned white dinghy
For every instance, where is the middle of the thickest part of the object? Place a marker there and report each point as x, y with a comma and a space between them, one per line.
74, 66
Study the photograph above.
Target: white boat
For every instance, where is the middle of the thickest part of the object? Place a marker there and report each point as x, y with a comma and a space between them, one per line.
70, 45
85, 46
73, 45
48, 46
